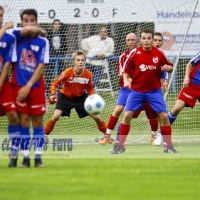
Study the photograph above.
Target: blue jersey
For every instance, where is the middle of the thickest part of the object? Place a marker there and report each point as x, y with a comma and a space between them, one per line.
7, 49
31, 51
195, 74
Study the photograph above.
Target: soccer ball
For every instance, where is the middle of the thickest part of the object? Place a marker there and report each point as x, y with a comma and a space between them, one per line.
94, 104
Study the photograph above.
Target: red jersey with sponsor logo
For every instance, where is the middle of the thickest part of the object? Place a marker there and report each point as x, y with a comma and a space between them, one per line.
144, 67
120, 68
74, 85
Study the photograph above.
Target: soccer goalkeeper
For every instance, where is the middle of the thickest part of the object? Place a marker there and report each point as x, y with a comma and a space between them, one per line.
77, 85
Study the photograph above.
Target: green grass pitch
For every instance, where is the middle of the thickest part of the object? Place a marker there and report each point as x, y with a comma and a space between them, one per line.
143, 172
91, 172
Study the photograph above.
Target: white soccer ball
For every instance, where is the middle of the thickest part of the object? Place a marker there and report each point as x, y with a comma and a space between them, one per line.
94, 104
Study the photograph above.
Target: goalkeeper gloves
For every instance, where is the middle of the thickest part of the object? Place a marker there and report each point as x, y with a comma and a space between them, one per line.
53, 99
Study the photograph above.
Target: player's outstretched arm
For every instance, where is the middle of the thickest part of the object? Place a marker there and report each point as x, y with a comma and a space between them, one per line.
57, 82
5, 27
188, 70
53, 97
24, 91
32, 30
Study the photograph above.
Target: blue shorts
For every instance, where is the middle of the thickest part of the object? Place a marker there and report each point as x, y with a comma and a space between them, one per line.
153, 98
123, 95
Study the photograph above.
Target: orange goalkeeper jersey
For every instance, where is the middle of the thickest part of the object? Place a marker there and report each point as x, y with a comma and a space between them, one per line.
73, 85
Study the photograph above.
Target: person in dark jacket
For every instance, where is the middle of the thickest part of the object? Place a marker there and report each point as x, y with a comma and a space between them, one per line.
58, 49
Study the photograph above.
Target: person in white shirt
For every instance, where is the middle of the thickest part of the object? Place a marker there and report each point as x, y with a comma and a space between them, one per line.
98, 47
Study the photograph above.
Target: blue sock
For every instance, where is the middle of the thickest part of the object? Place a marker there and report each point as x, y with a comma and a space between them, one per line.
38, 138
172, 118
14, 133
117, 136
25, 141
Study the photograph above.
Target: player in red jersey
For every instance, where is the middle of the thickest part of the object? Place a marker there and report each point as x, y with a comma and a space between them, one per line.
156, 137
7, 99
144, 66
190, 92
28, 83
77, 85
131, 43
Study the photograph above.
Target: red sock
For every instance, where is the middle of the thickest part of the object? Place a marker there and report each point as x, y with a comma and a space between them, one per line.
124, 130
167, 135
153, 124
112, 122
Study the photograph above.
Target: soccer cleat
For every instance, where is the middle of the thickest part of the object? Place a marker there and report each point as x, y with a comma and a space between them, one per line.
111, 141
153, 137
106, 139
38, 162
25, 163
158, 140
170, 150
13, 161
117, 149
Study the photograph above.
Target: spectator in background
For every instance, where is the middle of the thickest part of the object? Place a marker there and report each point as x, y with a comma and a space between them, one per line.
98, 47
58, 48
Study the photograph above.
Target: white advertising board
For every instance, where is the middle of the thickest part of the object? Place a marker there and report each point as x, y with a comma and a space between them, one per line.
170, 17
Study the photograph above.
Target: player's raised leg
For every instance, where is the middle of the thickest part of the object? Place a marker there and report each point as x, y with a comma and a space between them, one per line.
191, 88
175, 110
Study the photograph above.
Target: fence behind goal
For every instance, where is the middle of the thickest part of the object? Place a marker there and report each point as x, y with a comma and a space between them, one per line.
176, 20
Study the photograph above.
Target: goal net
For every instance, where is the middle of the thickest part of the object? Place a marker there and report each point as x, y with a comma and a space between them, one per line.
83, 18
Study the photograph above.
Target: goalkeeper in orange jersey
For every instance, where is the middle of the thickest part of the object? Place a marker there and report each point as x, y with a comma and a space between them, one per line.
77, 85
